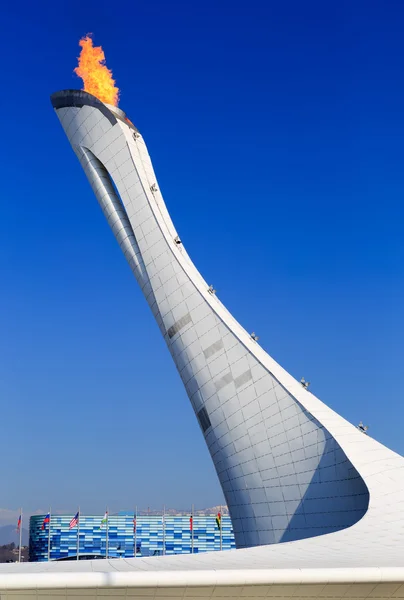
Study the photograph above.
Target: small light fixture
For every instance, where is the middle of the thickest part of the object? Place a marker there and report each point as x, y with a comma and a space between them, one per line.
211, 290
177, 240
363, 428
254, 336
153, 188
304, 383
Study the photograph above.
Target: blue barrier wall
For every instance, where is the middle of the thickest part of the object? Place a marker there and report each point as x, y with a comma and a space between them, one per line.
151, 537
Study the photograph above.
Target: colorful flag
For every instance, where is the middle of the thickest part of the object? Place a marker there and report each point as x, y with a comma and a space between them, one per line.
134, 525
46, 520
219, 520
74, 521
191, 523
105, 518
19, 523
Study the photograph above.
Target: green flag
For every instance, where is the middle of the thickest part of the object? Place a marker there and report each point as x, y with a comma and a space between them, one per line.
105, 518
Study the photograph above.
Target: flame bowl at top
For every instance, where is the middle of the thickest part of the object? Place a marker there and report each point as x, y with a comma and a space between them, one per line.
79, 98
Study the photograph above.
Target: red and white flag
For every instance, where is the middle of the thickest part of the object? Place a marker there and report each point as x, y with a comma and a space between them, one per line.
74, 521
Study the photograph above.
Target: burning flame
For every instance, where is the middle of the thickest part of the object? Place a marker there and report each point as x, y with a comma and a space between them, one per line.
97, 78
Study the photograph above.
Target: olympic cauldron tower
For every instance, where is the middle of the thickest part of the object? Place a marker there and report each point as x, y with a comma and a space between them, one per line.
274, 445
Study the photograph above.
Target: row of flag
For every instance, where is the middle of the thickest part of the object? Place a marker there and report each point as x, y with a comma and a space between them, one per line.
104, 521
75, 522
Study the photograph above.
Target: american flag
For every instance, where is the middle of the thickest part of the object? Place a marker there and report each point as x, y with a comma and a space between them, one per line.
74, 521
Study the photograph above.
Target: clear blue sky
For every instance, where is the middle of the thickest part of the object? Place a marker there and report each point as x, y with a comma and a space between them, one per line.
276, 133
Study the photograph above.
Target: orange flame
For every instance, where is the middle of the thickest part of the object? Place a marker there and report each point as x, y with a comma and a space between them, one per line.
97, 78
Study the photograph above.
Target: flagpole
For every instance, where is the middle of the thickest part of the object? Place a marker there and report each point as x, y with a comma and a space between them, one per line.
19, 548
221, 525
106, 534
135, 530
78, 534
164, 529
192, 530
49, 532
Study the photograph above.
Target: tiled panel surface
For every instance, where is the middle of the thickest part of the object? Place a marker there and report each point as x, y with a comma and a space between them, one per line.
284, 476
151, 537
